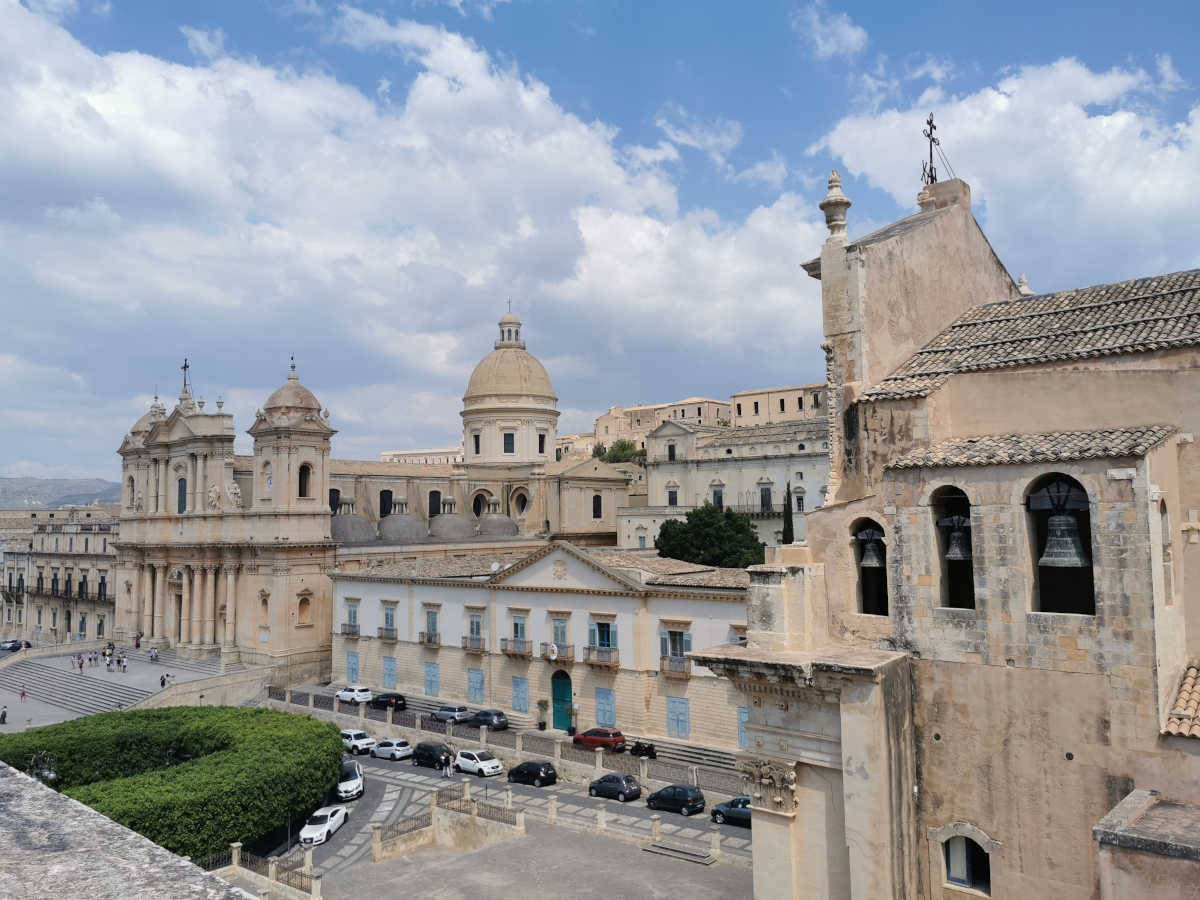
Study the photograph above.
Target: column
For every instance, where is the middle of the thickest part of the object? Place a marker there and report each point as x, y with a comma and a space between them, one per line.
146, 598
210, 604
160, 599
202, 484
230, 606
185, 618
196, 626
164, 503
133, 612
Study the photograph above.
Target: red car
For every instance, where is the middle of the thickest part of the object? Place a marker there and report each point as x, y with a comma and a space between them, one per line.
608, 738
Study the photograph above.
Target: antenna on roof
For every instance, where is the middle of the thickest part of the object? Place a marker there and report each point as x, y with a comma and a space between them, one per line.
510, 305
928, 172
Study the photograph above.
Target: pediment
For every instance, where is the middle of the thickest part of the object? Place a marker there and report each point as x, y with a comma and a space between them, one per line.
563, 568
670, 429
173, 428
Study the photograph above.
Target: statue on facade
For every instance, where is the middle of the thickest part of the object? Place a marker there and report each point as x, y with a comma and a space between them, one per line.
137, 503
235, 495
214, 497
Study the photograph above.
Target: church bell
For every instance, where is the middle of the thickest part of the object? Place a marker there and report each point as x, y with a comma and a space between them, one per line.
872, 557
1064, 548
959, 545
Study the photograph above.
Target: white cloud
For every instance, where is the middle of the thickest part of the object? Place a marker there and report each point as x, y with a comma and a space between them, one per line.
54, 10
484, 8
716, 138
1169, 78
829, 34
204, 43
931, 67
772, 171
1070, 169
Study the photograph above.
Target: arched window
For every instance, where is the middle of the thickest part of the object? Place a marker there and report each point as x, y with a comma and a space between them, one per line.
335, 500
304, 611
478, 505
385, 504
952, 523
131, 492
435, 503
597, 507
870, 561
268, 482
967, 864
1060, 533
181, 499
305, 479
521, 503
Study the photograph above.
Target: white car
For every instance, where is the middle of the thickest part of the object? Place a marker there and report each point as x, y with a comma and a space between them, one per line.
322, 824
357, 741
354, 693
452, 713
392, 750
477, 762
350, 780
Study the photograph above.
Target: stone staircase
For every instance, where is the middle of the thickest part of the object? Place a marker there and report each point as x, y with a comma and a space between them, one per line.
60, 686
170, 662
693, 755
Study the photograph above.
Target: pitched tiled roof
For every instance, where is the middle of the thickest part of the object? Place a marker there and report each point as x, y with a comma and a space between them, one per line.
651, 565
1014, 449
1184, 719
1136, 316
468, 565
711, 578
785, 432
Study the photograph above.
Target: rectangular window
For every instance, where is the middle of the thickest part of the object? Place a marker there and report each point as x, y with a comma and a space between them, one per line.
352, 613
816, 400
389, 673
39, 617
431, 621
475, 685
800, 403
782, 408
518, 623
541, 443
642, 541
739, 409
560, 631
510, 442
475, 626
606, 707
520, 694
431, 679
674, 643
603, 634
672, 498
764, 498
389, 617
743, 717
53, 618
799, 503
718, 498
99, 626
756, 407
670, 452
697, 412
352, 666
475, 439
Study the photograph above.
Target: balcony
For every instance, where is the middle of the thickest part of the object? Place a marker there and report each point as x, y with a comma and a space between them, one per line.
516, 647
558, 652
387, 634
757, 510
474, 643
350, 629
430, 638
675, 666
601, 656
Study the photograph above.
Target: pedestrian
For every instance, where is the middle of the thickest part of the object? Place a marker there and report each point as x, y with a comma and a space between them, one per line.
108, 663
3, 715
23, 694
124, 663
137, 641
162, 681
446, 768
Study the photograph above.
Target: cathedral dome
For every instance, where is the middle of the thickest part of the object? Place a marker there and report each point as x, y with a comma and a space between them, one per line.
497, 525
451, 527
152, 416
351, 529
509, 369
401, 528
293, 396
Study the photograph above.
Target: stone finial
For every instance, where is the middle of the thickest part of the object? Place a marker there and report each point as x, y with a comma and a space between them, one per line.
834, 206
220, 402
1023, 287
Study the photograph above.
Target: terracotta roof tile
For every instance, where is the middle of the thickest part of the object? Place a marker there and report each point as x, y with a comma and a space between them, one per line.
1137, 316
1015, 449
1182, 720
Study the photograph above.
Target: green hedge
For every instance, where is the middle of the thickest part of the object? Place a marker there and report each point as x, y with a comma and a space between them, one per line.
193, 779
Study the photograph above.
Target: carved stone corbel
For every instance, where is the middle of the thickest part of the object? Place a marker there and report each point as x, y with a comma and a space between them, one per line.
771, 784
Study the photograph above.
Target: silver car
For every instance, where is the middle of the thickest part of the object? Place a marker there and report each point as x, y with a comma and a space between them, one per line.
452, 713
392, 750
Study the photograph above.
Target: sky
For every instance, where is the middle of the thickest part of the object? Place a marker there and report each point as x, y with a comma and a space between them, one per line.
365, 185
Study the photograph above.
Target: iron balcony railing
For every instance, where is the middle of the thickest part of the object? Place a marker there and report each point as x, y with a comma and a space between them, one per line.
474, 643
756, 510
558, 652
601, 656
430, 638
387, 634
675, 666
516, 646
350, 629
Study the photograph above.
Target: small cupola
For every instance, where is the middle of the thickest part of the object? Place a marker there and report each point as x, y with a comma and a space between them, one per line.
510, 330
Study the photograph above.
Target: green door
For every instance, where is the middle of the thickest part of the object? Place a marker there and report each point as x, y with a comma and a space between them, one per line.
561, 690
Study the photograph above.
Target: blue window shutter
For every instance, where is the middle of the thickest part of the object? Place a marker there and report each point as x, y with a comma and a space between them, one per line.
687, 641
664, 645
612, 635
592, 634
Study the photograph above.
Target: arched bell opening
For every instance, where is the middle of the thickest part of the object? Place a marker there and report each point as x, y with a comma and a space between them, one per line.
870, 563
1060, 532
952, 523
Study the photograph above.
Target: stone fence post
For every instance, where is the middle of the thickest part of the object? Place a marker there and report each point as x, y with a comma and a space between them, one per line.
656, 827
362, 711
558, 745
643, 770
601, 818
337, 706
715, 843
273, 869
308, 866
466, 783
599, 760
287, 695
521, 822
508, 795
483, 736
235, 854
694, 775
376, 841
552, 811
310, 699
315, 890
390, 710
520, 743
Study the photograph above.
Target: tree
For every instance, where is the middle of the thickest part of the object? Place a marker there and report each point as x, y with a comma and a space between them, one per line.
598, 451
712, 537
622, 450
789, 535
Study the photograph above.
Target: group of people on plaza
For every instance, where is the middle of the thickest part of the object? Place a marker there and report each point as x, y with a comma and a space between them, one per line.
112, 660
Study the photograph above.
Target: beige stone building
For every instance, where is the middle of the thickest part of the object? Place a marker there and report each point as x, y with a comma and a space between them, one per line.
776, 406
978, 676
229, 554
57, 582
599, 634
437, 456
574, 446
633, 423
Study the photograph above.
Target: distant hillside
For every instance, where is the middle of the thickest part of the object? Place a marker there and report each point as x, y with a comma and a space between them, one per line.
48, 493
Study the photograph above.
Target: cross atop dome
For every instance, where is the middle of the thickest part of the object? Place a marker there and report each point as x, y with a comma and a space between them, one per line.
510, 330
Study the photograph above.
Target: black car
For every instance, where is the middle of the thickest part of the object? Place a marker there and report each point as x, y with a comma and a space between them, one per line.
14, 645
684, 799
432, 754
616, 787
535, 773
735, 812
494, 719
387, 701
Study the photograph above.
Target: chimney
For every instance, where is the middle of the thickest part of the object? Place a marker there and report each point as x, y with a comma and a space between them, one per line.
941, 194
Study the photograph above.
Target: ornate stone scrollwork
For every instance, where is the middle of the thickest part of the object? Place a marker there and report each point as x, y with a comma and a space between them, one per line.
771, 784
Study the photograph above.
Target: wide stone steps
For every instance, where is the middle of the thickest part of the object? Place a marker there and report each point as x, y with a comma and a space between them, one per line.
682, 853
60, 686
693, 755
169, 659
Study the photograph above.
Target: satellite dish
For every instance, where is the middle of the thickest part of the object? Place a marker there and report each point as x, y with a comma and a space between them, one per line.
552, 652
495, 567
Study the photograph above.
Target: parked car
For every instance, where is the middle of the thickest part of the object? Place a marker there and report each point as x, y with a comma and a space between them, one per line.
477, 762
357, 741
431, 754
322, 824
14, 645
643, 749
608, 738
388, 700
684, 799
616, 787
535, 773
452, 713
735, 812
392, 750
350, 780
494, 719
354, 693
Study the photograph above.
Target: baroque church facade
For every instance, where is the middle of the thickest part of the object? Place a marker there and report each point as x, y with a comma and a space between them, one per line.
227, 554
